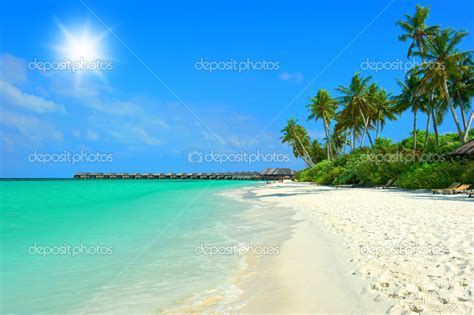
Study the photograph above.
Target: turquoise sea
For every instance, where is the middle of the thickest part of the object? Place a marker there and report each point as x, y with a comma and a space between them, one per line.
70, 246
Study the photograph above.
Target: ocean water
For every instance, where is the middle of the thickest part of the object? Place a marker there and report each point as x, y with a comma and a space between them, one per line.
137, 246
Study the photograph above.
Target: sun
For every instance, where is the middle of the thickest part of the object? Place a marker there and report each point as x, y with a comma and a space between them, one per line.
81, 45
83, 50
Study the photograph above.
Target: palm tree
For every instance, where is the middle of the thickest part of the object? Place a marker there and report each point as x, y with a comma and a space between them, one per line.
416, 31
443, 64
356, 104
323, 106
462, 90
409, 98
383, 110
297, 137
316, 151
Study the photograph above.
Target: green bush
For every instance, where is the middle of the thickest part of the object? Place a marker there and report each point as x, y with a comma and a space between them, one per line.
437, 175
408, 173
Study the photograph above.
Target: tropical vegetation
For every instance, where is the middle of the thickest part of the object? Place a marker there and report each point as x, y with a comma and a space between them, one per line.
440, 87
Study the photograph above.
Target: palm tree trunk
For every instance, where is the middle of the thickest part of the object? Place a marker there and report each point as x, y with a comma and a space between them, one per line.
377, 131
435, 125
428, 120
366, 129
468, 126
345, 142
353, 138
453, 111
328, 152
305, 153
370, 139
414, 131
328, 146
332, 147
463, 115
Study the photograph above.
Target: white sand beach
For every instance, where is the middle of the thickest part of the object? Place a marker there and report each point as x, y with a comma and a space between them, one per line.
363, 250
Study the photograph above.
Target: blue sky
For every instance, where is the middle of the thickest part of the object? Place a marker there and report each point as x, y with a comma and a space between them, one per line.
154, 108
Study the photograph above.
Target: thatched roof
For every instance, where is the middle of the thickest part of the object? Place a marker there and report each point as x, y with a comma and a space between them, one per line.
278, 171
466, 149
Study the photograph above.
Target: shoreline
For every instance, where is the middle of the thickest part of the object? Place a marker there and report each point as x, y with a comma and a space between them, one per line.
329, 266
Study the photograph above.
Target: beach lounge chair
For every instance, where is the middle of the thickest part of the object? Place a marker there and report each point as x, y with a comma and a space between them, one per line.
389, 184
361, 183
446, 190
345, 186
461, 189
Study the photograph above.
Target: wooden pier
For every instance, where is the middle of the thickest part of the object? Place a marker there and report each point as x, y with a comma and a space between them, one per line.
267, 174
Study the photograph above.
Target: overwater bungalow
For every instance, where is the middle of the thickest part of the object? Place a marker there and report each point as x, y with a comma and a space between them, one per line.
277, 173
267, 174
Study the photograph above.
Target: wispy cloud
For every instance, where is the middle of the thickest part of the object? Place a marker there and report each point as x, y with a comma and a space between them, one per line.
14, 96
12, 69
32, 130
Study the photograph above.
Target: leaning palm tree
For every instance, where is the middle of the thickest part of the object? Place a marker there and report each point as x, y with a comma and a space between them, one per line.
297, 137
410, 99
356, 104
443, 64
323, 107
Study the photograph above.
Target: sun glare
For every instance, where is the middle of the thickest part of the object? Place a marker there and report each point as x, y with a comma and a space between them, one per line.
83, 50
81, 44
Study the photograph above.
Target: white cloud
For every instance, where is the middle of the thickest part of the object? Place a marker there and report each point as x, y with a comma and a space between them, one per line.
133, 136
12, 69
16, 97
32, 130
289, 76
